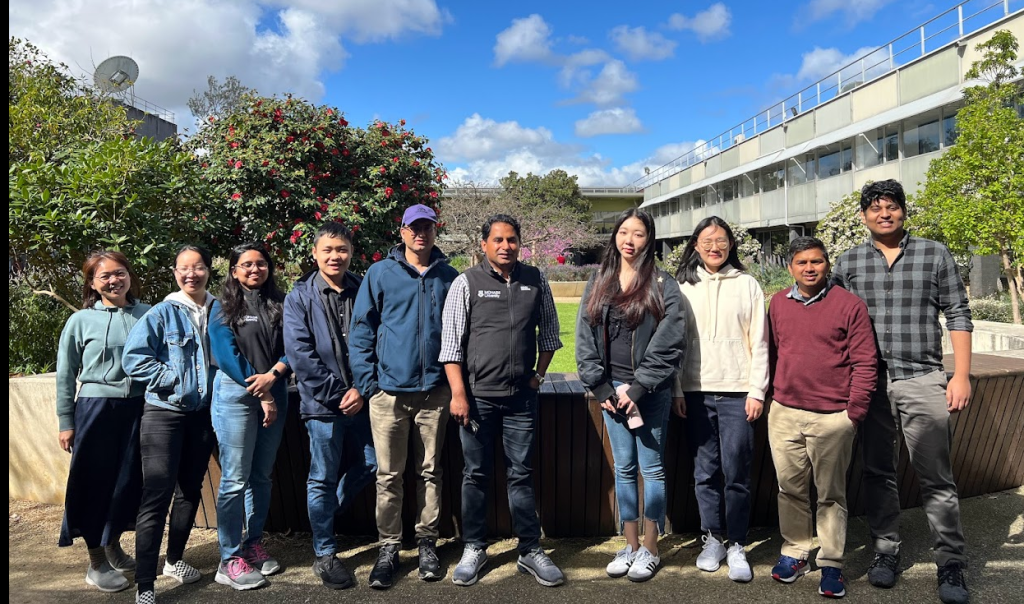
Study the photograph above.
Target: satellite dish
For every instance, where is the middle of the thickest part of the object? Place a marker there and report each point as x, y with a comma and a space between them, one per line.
116, 74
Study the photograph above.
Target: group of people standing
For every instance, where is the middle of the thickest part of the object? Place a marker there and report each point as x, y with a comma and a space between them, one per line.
382, 362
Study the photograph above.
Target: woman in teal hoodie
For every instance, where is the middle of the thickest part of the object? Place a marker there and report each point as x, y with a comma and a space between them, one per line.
100, 427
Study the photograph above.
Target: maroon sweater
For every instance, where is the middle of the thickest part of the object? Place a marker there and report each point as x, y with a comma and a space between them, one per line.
823, 356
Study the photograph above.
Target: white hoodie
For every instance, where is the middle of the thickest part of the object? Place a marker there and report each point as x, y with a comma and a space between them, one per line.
728, 333
200, 315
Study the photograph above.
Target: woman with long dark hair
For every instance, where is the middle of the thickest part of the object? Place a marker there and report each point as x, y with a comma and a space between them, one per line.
169, 351
724, 379
250, 398
629, 342
100, 425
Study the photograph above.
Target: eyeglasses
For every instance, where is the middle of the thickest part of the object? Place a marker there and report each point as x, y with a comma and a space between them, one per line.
185, 271
108, 277
422, 229
707, 244
248, 266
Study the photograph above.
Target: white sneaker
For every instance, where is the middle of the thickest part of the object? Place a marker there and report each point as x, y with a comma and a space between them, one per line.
644, 565
620, 565
710, 559
182, 572
739, 569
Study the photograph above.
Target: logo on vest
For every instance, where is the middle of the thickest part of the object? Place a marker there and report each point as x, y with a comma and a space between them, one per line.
524, 288
488, 293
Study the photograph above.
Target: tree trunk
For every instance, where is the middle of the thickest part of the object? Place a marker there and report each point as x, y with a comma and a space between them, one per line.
1011, 279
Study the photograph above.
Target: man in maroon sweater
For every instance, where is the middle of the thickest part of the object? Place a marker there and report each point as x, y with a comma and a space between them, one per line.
823, 361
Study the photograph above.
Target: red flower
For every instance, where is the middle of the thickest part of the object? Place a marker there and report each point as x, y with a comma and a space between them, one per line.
236, 196
331, 197
383, 143
344, 152
273, 172
398, 219
377, 256
401, 122
314, 191
317, 215
271, 234
334, 151
206, 165
415, 163
428, 150
289, 139
355, 227
238, 165
433, 194
234, 145
295, 236
311, 166
342, 122
362, 257
265, 163
394, 159
355, 208
285, 194
383, 170
323, 207
212, 119
319, 145
388, 191
280, 161
330, 112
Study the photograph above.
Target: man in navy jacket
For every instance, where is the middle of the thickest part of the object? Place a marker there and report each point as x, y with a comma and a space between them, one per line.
317, 316
395, 343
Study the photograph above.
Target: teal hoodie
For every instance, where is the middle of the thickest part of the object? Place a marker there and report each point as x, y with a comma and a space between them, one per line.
90, 354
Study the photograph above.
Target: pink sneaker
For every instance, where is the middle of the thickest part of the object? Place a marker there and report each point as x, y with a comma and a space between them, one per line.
237, 574
258, 557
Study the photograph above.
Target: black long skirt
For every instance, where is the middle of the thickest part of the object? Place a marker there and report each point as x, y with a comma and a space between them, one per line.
105, 481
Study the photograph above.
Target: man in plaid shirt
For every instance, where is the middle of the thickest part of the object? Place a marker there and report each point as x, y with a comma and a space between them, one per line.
906, 281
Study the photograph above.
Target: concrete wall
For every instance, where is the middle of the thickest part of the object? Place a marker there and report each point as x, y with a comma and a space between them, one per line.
151, 126
37, 468
876, 97
929, 75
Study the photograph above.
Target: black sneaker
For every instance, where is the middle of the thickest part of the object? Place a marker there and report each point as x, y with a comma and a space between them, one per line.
383, 574
332, 572
952, 587
883, 570
430, 566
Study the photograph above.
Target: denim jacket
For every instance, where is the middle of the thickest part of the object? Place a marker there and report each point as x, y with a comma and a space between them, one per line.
168, 350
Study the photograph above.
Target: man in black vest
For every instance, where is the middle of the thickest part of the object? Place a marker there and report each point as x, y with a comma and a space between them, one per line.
497, 316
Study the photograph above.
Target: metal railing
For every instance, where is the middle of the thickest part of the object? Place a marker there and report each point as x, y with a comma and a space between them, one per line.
628, 190
963, 19
151, 108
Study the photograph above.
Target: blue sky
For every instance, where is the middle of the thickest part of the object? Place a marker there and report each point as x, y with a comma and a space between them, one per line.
599, 88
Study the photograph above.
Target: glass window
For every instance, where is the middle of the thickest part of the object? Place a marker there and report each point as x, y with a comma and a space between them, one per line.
727, 189
674, 206
700, 198
829, 161
772, 177
750, 184
949, 132
712, 195
800, 169
846, 156
891, 143
922, 134
869, 149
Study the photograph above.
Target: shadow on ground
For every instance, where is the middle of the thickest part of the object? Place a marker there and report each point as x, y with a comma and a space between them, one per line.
994, 524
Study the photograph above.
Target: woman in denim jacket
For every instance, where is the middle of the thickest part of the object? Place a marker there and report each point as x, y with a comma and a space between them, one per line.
169, 351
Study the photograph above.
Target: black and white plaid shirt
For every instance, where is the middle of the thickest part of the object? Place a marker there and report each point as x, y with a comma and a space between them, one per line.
904, 301
456, 311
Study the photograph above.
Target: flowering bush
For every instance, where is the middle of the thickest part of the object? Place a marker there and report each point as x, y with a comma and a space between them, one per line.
569, 272
281, 167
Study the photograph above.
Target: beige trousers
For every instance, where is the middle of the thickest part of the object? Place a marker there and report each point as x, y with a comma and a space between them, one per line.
393, 417
810, 446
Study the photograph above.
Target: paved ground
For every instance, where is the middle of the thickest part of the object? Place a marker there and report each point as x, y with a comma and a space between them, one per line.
41, 572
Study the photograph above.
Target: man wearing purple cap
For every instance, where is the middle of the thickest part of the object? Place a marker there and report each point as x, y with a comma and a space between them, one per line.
394, 346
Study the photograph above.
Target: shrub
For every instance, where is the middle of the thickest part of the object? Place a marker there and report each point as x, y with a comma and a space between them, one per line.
772, 277
569, 272
996, 308
34, 324
460, 263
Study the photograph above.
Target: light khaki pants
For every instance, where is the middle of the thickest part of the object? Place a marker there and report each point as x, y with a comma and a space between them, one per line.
810, 446
393, 417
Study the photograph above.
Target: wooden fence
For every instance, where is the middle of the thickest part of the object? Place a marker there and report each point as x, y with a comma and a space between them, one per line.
573, 465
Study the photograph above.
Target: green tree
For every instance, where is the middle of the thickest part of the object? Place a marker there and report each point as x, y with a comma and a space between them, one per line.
79, 180
555, 189
280, 167
975, 192
219, 98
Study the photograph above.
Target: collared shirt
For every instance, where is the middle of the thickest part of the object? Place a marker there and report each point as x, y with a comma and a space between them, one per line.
334, 304
456, 316
904, 301
794, 294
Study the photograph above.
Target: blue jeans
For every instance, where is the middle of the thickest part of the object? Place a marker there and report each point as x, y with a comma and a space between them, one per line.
328, 490
645, 447
722, 443
247, 454
515, 417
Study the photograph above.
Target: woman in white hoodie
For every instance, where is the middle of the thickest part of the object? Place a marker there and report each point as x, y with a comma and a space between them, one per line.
723, 379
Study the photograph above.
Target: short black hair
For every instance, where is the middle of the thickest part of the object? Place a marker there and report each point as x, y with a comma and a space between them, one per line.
802, 244
485, 231
202, 251
333, 229
873, 191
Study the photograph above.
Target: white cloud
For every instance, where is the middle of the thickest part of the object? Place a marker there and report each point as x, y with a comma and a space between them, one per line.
179, 43
609, 86
527, 39
822, 62
488, 150
709, 24
853, 11
638, 44
618, 120
574, 67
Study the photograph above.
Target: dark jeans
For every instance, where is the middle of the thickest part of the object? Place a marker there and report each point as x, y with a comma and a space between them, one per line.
516, 418
722, 442
176, 449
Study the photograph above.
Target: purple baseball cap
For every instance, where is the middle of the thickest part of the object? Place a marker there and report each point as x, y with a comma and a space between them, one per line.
418, 212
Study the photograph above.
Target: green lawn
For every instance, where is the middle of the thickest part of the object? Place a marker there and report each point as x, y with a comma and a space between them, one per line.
565, 357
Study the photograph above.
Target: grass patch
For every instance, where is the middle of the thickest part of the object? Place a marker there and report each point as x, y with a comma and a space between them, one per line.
565, 357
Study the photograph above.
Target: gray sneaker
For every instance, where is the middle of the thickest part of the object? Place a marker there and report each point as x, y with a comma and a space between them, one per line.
105, 578
468, 570
119, 559
537, 563
236, 573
